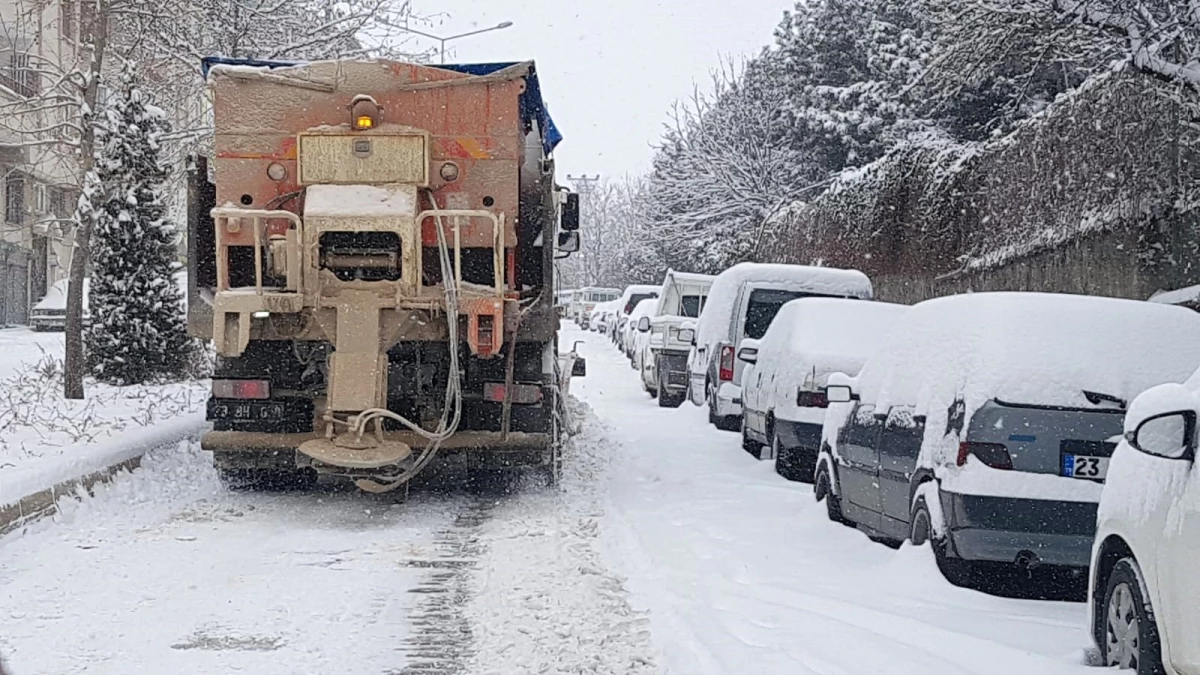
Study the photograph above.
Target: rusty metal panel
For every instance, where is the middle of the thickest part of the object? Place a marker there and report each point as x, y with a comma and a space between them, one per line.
363, 159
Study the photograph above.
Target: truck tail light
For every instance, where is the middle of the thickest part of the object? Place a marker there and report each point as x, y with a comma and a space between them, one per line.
258, 389
521, 393
812, 399
726, 365
994, 455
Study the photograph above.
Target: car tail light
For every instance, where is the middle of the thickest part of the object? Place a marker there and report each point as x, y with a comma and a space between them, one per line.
726, 365
994, 455
812, 399
521, 393
241, 389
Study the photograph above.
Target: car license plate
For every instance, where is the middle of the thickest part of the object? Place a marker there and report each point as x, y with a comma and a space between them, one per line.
256, 410
1084, 466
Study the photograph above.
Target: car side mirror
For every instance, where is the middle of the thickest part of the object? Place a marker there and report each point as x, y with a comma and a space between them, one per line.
568, 242
839, 393
579, 367
1169, 435
748, 354
569, 221
644, 324
687, 336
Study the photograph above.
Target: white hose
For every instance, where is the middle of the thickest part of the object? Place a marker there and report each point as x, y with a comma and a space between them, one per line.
452, 404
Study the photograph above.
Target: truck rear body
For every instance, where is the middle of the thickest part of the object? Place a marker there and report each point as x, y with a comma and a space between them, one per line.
373, 261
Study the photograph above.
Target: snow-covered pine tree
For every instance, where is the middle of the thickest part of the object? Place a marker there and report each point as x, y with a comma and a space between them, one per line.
138, 332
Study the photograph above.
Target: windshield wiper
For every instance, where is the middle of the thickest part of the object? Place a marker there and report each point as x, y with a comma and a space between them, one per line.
1096, 398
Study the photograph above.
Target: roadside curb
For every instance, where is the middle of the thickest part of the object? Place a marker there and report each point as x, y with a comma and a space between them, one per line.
99, 464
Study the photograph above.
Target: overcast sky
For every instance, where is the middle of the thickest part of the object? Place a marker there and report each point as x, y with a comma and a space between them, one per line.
610, 69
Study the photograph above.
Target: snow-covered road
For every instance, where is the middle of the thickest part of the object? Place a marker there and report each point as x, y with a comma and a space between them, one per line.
668, 550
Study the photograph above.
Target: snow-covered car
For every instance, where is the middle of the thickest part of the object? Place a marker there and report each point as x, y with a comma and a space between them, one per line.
1144, 598
986, 422
50, 313
672, 328
783, 387
633, 337
625, 304
741, 304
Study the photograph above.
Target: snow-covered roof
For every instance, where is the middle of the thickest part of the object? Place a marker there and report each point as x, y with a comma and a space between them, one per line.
643, 308
361, 200
1038, 348
812, 338
1189, 295
686, 277
723, 295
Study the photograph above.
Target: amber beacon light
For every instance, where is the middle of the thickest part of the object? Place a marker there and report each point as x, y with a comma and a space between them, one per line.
364, 113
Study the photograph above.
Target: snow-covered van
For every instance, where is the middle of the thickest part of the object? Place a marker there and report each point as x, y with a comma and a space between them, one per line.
628, 300
586, 299
670, 328
741, 304
783, 388
986, 422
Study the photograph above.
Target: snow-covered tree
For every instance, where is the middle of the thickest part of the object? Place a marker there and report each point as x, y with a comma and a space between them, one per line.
850, 65
137, 331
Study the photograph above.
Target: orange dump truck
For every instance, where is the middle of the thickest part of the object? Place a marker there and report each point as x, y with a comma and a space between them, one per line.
371, 251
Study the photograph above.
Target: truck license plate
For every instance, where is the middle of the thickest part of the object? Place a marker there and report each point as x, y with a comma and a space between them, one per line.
1085, 466
248, 410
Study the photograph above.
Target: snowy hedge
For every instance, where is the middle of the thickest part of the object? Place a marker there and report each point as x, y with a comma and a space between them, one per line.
1113, 155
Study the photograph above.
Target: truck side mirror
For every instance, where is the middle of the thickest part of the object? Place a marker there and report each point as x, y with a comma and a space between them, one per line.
579, 367
570, 213
568, 242
643, 324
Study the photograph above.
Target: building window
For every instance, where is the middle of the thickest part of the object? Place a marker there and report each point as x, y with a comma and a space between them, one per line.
69, 25
18, 75
58, 203
14, 199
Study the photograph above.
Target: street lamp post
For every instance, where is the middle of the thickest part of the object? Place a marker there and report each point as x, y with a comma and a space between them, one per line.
443, 40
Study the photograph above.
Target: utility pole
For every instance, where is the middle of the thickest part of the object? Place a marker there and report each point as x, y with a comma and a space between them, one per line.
589, 259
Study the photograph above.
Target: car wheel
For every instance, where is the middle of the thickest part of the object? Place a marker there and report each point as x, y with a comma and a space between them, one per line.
1130, 640
788, 465
748, 444
957, 571
823, 489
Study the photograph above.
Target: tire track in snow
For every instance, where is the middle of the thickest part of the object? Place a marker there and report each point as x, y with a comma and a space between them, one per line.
441, 640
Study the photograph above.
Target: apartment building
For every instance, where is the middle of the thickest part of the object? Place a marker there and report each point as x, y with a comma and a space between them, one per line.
39, 42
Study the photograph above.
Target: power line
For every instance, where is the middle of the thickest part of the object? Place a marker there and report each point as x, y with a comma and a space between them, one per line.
585, 185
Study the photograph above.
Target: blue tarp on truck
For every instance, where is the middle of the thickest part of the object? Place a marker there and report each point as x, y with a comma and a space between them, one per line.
533, 107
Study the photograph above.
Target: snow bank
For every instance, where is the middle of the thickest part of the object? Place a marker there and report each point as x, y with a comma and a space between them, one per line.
17, 482
813, 338
1032, 348
723, 295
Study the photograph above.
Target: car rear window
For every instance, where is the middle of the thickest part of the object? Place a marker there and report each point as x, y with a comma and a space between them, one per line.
635, 299
764, 305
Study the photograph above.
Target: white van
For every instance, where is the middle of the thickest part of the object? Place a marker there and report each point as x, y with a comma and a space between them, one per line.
741, 304
670, 328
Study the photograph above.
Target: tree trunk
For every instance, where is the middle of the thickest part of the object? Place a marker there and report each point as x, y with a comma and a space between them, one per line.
73, 366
